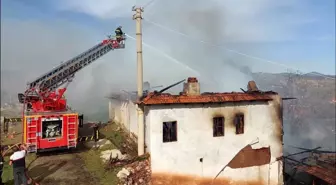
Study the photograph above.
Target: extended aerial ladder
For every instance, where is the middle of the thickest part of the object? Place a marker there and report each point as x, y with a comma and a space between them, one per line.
44, 99
41, 94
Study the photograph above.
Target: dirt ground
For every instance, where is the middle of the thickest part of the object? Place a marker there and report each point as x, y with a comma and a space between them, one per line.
81, 166
62, 169
17, 136
56, 169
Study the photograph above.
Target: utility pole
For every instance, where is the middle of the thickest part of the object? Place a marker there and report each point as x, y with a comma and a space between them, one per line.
141, 128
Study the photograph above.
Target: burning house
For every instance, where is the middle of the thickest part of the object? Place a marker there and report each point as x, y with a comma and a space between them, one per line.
214, 138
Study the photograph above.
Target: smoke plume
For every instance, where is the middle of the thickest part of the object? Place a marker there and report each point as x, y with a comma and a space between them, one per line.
31, 48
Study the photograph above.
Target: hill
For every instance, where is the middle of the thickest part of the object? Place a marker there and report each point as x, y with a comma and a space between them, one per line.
309, 121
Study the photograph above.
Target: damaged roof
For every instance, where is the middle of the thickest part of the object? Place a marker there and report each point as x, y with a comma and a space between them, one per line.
328, 175
320, 163
165, 98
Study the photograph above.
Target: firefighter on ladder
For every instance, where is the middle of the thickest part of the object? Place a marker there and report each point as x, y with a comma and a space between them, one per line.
119, 34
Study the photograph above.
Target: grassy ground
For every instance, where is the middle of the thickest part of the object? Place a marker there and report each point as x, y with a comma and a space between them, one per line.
7, 175
119, 138
84, 167
97, 168
17, 128
92, 157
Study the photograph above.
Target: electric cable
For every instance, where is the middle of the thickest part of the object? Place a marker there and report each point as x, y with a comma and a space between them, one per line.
167, 56
231, 50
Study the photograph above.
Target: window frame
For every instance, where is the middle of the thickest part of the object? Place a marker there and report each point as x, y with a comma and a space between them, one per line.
218, 126
239, 124
172, 129
46, 122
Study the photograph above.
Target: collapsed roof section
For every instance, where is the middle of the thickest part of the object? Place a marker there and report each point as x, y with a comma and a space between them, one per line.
319, 164
191, 95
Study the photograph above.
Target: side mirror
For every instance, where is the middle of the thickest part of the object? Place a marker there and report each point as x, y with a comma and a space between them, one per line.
81, 120
21, 97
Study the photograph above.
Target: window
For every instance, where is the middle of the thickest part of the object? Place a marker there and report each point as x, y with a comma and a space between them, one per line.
51, 129
169, 131
239, 123
218, 126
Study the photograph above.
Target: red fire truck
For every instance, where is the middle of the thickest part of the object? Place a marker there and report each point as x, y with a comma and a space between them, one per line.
48, 123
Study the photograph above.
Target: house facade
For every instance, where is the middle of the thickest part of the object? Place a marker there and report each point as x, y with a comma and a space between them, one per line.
214, 138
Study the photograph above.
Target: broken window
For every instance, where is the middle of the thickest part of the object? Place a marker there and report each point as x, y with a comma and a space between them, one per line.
169, 131
239, 123
218, 126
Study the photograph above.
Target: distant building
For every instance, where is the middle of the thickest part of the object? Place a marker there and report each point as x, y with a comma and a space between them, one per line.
194, 137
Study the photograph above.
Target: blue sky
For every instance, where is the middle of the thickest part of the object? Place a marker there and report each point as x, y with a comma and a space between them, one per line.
308, 45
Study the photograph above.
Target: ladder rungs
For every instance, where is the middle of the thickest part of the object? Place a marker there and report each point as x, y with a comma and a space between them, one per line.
82, 60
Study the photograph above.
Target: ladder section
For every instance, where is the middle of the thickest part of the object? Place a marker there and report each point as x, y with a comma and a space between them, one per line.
64, 72
72, 131
32, 134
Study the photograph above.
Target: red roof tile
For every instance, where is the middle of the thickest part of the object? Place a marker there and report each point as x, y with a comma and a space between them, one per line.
156, 99
322, 173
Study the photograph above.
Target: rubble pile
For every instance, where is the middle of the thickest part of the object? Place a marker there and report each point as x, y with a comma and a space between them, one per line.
135, 171
140, 173
113, 155
128, 146
314, 166
99, 144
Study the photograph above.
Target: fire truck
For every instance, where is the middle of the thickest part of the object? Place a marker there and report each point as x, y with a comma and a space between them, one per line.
48, 122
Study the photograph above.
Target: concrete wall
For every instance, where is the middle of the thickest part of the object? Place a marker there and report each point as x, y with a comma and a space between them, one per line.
114, 110
124, 112
129, 116
179, 162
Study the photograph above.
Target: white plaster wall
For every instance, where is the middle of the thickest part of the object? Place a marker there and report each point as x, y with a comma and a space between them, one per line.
114, 110
195, 140
147, 131
111, 111
133, 127
128, 116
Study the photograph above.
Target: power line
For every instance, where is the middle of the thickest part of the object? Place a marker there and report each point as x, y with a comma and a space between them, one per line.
149, 3
197, 73
167, 56
230, 50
